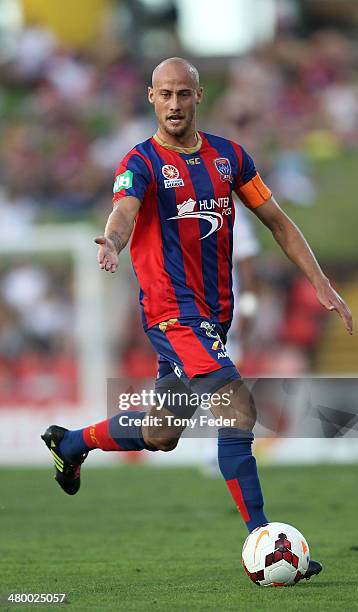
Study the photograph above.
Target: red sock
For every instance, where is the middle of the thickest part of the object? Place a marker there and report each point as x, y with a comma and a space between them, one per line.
98, 436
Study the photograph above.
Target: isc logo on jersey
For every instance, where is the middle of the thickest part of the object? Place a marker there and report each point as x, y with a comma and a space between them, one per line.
123, 181
171, 176
207, 209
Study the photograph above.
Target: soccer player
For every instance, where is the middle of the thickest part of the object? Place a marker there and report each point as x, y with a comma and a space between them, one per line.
173, 194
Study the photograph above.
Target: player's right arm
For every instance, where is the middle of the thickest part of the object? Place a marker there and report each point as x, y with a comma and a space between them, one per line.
118, 230
132, 180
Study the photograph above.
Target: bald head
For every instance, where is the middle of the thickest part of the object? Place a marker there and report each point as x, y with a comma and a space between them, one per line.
175, 94
177, 66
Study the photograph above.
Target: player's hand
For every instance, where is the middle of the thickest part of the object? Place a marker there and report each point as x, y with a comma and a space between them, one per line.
107, 255
331, 300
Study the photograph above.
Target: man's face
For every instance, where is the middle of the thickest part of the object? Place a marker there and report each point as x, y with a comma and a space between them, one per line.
175, 95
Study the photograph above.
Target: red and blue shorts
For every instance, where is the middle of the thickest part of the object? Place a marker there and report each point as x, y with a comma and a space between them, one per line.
192, 351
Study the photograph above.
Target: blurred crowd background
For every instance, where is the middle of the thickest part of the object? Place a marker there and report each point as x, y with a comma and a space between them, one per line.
73, 102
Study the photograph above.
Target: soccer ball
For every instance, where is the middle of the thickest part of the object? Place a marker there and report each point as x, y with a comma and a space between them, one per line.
275, 555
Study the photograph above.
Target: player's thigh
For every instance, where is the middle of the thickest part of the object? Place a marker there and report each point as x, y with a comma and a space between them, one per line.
168, 419
173, 392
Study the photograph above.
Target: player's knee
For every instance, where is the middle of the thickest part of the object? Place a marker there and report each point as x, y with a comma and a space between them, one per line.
241, 410
163, 444
167, 445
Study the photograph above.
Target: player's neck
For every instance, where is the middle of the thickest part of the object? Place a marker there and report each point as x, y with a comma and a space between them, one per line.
190, 143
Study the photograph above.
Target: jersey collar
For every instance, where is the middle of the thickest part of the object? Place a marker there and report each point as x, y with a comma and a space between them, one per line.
193, 149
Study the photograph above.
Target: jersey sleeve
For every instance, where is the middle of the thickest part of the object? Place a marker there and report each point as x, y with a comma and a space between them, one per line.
133, 177
249, 185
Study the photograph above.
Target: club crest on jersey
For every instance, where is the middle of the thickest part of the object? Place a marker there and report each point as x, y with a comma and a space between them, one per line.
171, 176
223, 166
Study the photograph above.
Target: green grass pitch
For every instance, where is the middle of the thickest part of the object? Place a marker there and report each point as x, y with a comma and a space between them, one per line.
138, 538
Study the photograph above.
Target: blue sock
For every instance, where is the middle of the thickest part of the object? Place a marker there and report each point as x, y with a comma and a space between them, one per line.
73, 445
238, 466
108, 435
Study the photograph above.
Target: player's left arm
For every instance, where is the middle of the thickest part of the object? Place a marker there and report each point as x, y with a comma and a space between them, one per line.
293, 243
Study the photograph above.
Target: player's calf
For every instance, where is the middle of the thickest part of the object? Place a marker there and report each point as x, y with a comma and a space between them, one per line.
241, 409
236, 461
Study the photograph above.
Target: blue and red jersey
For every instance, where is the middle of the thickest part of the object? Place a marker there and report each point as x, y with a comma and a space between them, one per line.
181, 246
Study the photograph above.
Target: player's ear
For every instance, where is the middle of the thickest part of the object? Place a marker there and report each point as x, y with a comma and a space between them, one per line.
150, 94
199, 94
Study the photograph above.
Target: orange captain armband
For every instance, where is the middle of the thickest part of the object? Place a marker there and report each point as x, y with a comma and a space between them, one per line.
254, 192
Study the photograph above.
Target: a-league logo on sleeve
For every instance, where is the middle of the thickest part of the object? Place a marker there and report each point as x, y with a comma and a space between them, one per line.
123, 181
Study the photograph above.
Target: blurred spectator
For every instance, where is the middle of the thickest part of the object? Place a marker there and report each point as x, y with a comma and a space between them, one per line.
68, 117
34, 47
37, 319
17, 212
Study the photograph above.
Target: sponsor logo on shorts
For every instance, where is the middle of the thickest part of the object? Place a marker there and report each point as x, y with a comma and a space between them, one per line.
177, 371
218, 345
171, 176
207, 210
164, 324
209, 329
123, 181
223, 166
